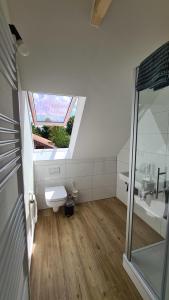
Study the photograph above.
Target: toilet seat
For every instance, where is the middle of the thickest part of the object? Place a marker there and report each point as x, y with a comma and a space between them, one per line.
53, 194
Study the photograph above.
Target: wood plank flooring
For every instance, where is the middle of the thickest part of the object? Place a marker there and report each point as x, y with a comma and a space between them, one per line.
81, 257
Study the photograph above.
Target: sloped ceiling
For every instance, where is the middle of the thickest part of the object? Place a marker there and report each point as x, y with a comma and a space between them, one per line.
69, 56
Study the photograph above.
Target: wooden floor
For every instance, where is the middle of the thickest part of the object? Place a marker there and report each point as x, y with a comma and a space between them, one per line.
81, 257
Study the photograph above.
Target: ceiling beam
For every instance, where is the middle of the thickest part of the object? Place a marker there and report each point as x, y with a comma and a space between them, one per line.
100, 9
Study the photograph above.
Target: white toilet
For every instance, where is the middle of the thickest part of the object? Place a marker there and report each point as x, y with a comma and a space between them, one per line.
55, 197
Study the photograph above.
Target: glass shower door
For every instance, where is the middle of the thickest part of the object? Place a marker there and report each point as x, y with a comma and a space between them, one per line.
151, 188
166, 279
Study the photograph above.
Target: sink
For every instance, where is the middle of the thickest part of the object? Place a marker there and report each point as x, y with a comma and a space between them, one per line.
124, 176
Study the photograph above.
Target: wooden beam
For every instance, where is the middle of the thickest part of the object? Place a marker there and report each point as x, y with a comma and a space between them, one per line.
100, 9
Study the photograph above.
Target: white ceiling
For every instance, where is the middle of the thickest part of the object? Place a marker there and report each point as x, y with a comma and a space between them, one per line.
69, 56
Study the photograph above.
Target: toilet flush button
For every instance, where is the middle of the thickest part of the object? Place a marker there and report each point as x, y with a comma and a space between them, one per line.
53, 171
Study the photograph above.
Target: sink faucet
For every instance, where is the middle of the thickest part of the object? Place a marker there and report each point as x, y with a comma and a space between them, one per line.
148, 188
144, 194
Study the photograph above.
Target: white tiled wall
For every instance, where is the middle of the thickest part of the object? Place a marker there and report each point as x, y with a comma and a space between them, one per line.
152, 147
94, 178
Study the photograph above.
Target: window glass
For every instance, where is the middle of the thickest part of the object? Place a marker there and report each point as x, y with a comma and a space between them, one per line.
51, 108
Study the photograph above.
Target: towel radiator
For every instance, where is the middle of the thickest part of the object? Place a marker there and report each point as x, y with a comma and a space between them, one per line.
14, 278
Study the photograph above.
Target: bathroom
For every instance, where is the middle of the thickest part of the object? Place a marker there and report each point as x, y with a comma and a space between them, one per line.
95, 179
88, 220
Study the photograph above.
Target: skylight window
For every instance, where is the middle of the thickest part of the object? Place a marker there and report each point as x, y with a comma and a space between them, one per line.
52, 110
55, 121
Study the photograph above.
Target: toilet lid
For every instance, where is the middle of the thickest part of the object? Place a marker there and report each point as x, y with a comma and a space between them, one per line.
55, 193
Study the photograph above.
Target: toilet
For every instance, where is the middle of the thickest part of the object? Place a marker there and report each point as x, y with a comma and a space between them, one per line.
55, 197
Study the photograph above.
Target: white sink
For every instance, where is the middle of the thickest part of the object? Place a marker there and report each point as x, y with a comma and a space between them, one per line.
124, 176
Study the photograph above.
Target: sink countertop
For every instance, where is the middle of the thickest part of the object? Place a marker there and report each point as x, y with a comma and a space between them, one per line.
124, 176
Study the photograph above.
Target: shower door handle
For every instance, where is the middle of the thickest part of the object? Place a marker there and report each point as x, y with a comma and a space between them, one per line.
157, 184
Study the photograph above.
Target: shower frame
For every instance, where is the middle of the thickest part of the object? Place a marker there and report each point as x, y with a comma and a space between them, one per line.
137, 277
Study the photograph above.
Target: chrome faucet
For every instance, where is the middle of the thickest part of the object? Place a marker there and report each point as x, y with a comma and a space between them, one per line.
148, 188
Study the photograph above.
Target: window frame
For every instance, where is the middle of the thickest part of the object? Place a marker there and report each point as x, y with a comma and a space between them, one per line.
42, 123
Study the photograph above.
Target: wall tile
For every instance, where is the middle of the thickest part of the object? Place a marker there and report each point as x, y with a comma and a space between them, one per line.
78, 168
83, 182
103, 192
85, 195
97, 159
39, 186
67, 182
49, 162
104, 180
41, 201
105, 167
99, 186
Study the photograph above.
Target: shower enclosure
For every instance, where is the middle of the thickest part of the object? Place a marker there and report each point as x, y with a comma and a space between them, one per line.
147, 248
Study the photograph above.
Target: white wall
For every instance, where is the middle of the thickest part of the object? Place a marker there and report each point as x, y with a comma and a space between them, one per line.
69, 56
27, 160
94, 178
5, 9
76, 125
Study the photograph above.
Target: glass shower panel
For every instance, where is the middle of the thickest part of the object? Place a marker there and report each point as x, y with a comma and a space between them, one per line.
151, 192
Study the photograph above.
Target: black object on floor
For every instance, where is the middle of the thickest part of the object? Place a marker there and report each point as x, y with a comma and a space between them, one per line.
69, 207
